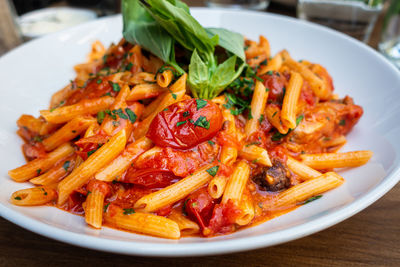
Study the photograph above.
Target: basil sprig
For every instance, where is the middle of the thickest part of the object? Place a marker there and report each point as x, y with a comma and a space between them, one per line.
157, 25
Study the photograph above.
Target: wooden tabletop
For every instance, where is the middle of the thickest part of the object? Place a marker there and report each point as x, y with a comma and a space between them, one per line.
370, 238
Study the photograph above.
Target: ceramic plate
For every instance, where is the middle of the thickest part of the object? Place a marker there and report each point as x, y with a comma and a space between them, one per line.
32, 72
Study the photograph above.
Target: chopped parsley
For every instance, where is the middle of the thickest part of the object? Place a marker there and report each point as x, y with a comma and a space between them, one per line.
129, 66
89, 153
17, 198
342, 122
273, 115
213, 170
202, 122
120, 113
129, 211
211, 142
66, 165
236, 104
100, 116
261, 119
253, 143
109, 113
99, 81
179, 123
37, 139
131, 115
115, 86
311, 199
44, 191
201, 103
270, 72
106, 207
38, 171
185, 114
88, 193
184, 207
173, 96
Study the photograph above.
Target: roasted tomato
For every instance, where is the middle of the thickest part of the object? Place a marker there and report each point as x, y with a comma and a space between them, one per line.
185, 124
222, 219
275, 83
149, 178
199, 206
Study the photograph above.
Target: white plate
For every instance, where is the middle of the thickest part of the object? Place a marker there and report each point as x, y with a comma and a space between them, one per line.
32, 72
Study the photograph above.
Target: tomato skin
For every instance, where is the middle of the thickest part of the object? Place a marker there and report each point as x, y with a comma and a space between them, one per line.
149, 178
275, 84
199, 206
101, 186
165, 132
223, 218
34, 151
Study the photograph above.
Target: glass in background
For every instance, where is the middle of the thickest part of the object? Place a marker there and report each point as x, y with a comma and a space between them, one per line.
356, 18
10, 35
239, 4
390, 40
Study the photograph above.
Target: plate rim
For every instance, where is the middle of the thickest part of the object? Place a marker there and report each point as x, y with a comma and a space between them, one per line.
218, 246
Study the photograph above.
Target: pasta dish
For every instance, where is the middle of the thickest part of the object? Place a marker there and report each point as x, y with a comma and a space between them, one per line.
199, 132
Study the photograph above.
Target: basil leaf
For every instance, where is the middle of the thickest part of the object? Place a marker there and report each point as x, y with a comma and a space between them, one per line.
198, 77
231, 41
224, 75
185, 29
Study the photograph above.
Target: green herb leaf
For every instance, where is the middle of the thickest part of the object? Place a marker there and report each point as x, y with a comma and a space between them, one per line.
201, 103
179, 123
115, 86
100, 116
213, 170
211, 142
66, 165
186, 114
128, 211
17, 198
342, 122
38, 171
231, 41
202, 122
106, 207
311, 199
131, 115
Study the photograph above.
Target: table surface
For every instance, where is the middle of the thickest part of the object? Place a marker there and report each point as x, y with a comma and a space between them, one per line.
370, 238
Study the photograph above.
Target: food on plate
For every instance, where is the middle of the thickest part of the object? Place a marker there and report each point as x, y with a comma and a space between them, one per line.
180, 130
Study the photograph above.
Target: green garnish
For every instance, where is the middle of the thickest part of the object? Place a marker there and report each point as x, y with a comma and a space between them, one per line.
66, 165
100, 116
211, 142
129, 211
202, 122
38, 171
115, 86
342, 122
201, 103
213, 170
17, 198
179, 123
106, 207
131, 115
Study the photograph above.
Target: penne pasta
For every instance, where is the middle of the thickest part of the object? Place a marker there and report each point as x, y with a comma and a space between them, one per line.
305, 190
68, 132
67, 113
144, 91
336, 160
40, 165
216, 187
124, 160
33, 196
165, 78
143, 223
88, 168
289, 106
302, 170
186, 226
176, 191
247, 210
256, 154
258, 102
55, 174
236, 184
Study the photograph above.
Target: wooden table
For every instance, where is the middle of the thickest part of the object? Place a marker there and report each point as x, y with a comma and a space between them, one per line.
370, 238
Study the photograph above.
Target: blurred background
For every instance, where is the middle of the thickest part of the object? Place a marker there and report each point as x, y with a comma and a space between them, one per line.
374, 22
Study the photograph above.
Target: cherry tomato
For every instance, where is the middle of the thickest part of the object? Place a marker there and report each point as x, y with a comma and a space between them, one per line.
185, 124
149, 178
33, 151
223, 218
100, 186
275, 83
199, 206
